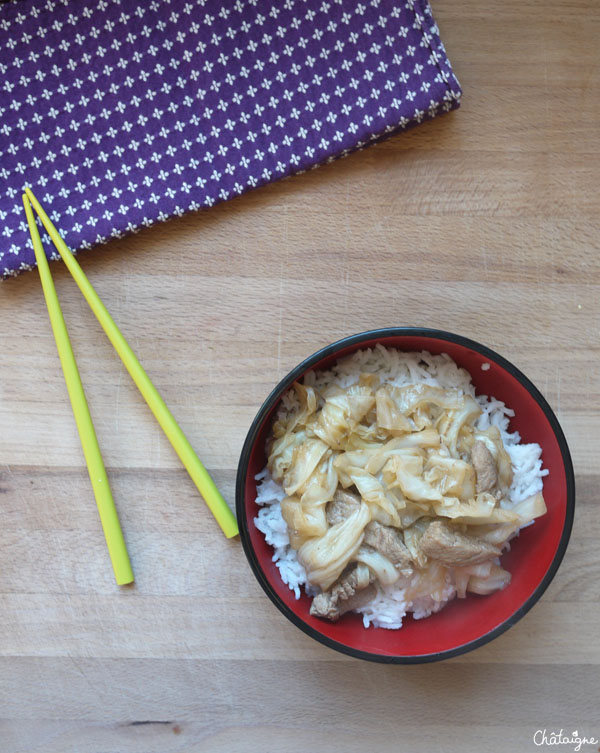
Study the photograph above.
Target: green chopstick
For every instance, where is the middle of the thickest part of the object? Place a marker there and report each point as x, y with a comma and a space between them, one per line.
204, 483
93, 457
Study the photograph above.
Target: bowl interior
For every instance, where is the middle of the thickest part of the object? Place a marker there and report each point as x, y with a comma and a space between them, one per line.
462, 621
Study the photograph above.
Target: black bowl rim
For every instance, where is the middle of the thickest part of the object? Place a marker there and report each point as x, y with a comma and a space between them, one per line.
356, 339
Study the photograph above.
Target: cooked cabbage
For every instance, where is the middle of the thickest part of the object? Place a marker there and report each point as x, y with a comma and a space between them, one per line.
497, 579
389, 416
493, 441
282, 452
531, 508
414, 396
450, 424
482, 509
406, 472
450, 476
379, 565
341, 413
404, 453
373, 493
305, 458
305, 515
325, 557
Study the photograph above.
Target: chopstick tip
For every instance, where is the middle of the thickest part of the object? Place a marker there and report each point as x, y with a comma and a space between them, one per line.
27, 205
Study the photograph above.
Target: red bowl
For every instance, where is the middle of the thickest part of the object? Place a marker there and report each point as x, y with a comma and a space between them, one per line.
464, 624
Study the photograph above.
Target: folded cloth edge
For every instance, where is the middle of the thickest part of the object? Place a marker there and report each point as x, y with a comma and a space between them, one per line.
430, 35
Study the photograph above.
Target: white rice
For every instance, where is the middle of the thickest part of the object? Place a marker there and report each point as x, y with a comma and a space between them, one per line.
390, 606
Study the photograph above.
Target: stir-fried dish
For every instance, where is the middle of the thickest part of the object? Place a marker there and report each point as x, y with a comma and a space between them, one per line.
386, 483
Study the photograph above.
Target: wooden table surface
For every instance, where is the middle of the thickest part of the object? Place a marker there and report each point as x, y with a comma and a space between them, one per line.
485, 223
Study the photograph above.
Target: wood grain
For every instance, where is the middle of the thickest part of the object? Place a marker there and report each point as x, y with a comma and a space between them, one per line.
486, 223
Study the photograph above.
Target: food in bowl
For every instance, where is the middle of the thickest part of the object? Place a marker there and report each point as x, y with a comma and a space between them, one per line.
391, 487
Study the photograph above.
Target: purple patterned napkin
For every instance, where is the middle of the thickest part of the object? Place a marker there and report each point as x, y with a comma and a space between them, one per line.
120, 113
